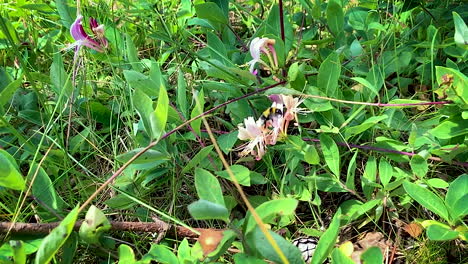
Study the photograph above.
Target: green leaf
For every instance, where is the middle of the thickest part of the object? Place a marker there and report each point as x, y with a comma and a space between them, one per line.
269, 210
183, 251
327, 240
69, 249
241, 173
9, 90
258, 240
208, 187
43, 189
311, 155
331, 154
160, 114
197, 110
385, 171
52, 242
19, 252
335, 17
126, 254
461, 31
437, 183
210, 11
205, 210
419, 166
182, 94
441, 233
141, 82
201, 155
427, 199
227, 141
339, 257
149, 156
132, 54
457, 196
241, 258
329, 72
366, 125
94, 226
372, 255
66, 12
351, 172
369, 177
160, 254
9, 174
61, 84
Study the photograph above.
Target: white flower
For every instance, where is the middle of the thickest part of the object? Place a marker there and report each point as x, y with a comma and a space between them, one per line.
259, 45
252, 131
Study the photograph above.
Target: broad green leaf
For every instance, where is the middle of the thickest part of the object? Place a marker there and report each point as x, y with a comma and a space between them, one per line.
201, 155
331, 154
159, 117
241, 173
461, 31
9, 174
227, 141
311, 155
141, 82
457, 196
369, 177
368, 85
241, 258
357, 18
61, 83
211, 11
453, 86
351, 172
441, 233
43, 189
126, 254
419, 166
19, 252
372, 255
9, 90
427, 199
385, 171
197, 110
144, 106
69, 249
327, 240
208, 187
258, 240
66, 12
335, 17
53, 241
182, 94
148, 156
205, 210
183, 251
217, 49
132, 54
269, 210
94, 226
160, 254
437, 183
366, 125
339, 257
329, 72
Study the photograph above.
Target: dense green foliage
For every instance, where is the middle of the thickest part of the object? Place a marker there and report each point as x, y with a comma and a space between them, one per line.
366, 135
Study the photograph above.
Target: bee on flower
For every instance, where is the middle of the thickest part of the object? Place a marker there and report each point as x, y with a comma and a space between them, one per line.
271, 126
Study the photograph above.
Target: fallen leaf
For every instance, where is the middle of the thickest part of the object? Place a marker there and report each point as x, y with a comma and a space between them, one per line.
209, 240
413, 229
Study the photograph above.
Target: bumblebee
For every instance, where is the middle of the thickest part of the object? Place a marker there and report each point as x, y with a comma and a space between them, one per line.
274, 111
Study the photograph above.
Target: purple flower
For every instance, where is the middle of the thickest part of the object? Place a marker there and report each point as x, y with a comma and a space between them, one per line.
259, 46
83, 39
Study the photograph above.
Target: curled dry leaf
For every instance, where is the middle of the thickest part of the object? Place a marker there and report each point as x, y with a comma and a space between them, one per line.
209, 240
413, 229
373, 239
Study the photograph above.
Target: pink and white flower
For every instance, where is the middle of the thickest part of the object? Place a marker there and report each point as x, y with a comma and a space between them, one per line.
83, 39
259, 46
253, 131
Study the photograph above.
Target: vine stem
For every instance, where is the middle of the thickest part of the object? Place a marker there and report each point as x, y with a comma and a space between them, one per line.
154, 143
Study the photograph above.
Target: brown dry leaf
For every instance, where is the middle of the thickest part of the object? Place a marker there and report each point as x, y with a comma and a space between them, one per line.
373, 239
413, 229
209, 240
